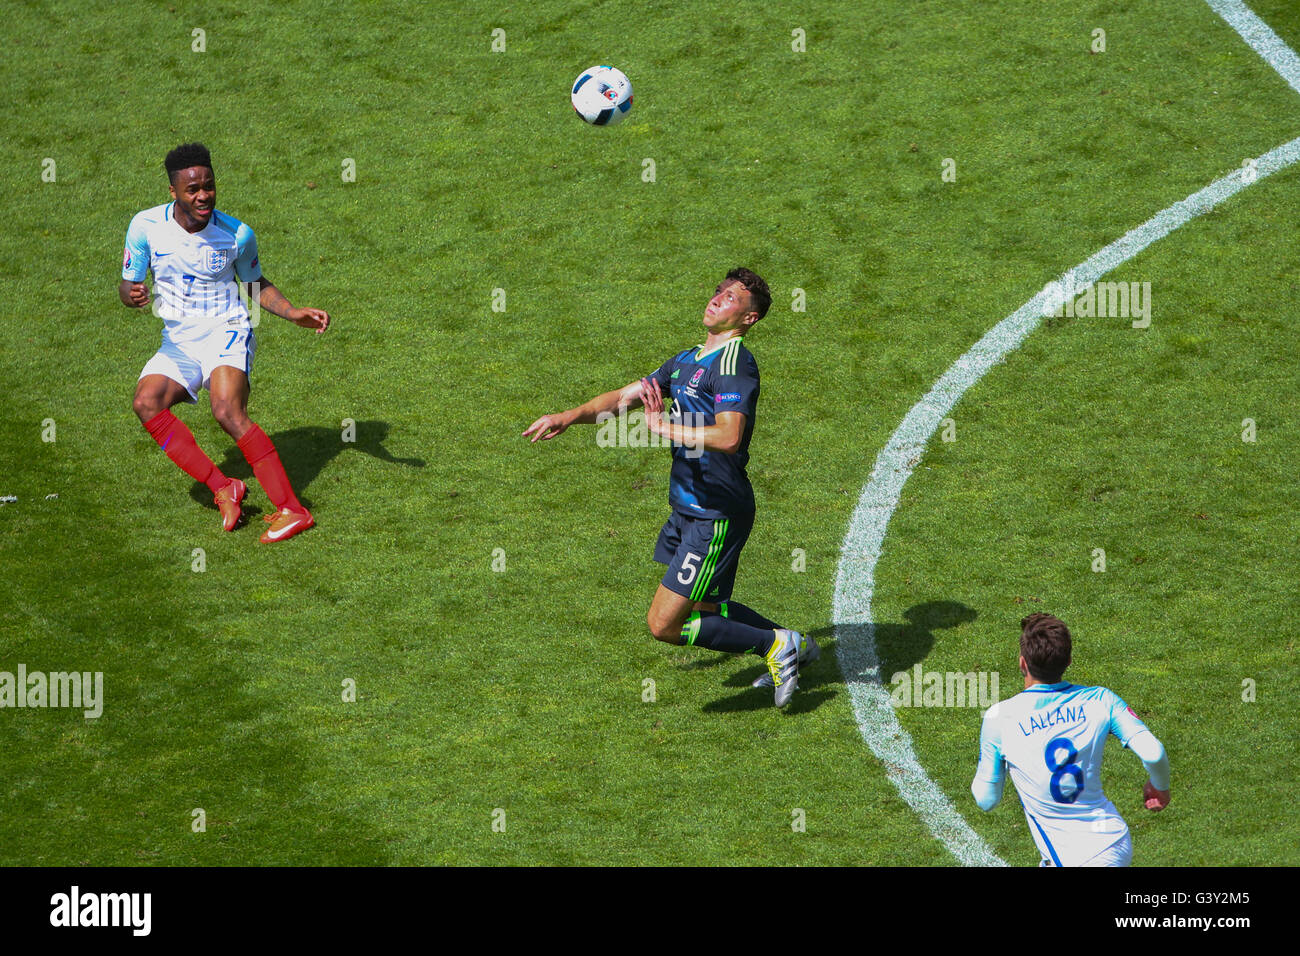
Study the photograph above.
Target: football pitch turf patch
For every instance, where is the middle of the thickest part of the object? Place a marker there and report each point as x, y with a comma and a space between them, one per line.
523, 690
859, 661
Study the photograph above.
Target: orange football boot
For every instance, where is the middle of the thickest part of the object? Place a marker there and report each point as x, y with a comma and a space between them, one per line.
228, 500
285, 524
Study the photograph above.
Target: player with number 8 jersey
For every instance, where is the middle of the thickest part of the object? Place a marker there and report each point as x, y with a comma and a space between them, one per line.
1053, 735
200, 259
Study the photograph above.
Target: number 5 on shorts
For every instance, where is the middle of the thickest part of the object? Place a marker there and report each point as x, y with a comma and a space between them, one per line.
687, 574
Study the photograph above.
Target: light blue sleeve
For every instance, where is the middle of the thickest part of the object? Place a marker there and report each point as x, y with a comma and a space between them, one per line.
991, 775
135, 257
1152, 754
1135, 735
1124, 724
247, 267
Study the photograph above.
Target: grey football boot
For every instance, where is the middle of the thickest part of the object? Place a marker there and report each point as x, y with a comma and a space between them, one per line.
808, 652
783, 665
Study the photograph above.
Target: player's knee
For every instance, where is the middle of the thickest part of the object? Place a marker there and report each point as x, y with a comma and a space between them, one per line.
146, 407
230, 417
663, 630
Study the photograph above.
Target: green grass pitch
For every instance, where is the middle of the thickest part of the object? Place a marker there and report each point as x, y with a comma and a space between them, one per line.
487, 596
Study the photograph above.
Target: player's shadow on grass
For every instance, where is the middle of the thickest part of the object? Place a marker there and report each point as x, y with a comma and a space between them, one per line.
897, 648
305, 452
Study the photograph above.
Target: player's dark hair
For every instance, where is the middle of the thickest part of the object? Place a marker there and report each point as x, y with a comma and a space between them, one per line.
184, 156
756, 287
1045, 646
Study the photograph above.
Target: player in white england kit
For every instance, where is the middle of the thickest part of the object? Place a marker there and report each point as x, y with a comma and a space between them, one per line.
200, 258
1052, 736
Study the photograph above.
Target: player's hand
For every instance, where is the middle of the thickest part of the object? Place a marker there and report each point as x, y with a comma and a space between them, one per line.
651, 398
546, 427
1155, 800
134, 294
317, 319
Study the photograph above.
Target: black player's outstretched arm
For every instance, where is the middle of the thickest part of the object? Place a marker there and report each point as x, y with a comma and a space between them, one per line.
270, 298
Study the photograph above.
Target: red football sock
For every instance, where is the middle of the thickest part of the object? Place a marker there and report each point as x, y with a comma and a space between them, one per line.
261, 454
178, 442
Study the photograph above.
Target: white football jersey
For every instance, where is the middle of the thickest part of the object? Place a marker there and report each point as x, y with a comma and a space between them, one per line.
196, 275
1052, 736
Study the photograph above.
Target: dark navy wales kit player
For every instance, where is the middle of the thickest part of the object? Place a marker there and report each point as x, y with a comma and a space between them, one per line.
710, 396
710, 493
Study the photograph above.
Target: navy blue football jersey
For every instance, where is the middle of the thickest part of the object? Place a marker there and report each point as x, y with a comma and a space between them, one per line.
710, 484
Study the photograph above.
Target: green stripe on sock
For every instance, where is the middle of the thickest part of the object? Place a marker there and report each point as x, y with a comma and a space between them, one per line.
691, 629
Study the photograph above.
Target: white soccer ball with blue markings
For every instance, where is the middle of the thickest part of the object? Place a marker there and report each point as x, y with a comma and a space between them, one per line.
602, 96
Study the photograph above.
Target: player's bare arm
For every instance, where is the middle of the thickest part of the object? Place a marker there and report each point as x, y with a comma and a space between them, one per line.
134, 295
270, 298
724, 436
607, 403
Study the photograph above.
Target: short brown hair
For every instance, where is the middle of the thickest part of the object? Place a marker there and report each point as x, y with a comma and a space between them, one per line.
757, 288
1045, 646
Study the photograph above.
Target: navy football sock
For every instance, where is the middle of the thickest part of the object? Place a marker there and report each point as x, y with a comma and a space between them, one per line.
736, 611
717, 633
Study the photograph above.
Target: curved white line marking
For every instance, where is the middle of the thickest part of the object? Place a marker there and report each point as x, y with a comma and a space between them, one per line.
855, 578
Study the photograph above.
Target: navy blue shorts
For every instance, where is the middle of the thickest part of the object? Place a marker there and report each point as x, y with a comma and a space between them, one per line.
702, 554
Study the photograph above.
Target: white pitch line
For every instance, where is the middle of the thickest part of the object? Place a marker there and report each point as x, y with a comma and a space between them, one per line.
855, 631
1261, 38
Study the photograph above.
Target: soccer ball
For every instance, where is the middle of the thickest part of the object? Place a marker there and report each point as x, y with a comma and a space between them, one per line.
602, 96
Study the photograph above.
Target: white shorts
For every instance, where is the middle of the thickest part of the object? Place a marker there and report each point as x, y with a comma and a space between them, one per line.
191, 363
1119, 853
